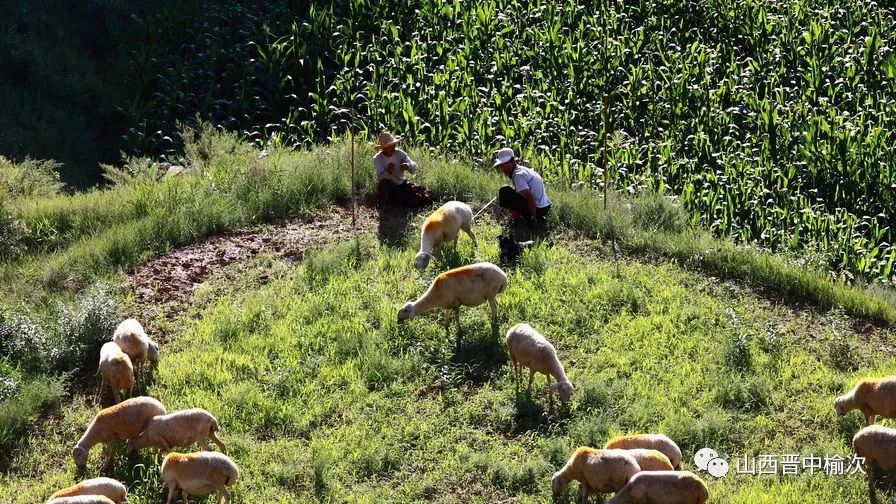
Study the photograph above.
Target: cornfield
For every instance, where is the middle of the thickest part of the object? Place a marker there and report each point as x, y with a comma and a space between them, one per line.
771, 120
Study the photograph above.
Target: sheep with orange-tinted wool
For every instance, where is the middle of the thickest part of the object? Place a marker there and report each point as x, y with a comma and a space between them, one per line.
597, 471
877, 445
469, 285
179, 429
666, 487
441, 227
199, 473
82, 499
112, 489
528, 348
872, 396
116, 370
658, 442
140, 348
126, 420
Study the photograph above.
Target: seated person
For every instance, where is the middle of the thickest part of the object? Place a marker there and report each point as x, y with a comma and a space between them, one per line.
527, 199
392, 187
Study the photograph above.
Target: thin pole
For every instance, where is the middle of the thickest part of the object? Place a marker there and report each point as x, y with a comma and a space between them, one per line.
603, 154
352, 134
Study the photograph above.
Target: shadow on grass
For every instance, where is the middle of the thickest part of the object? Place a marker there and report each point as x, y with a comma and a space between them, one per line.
535, 412
393, 222
478, 358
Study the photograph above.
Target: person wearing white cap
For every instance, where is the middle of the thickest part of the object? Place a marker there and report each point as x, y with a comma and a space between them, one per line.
391, 163
527, 198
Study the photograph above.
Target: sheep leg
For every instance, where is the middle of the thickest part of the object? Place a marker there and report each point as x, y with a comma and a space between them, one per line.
214, 437
116, 395
531, 379
583, 493
204, 444
99, 396
455, 242
457, 317
171, 491
550, 395
109, 454
223, 495
493, 304
447, 321
186, 496
870, 419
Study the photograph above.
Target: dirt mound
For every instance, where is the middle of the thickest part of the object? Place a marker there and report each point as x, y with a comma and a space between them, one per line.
165, 285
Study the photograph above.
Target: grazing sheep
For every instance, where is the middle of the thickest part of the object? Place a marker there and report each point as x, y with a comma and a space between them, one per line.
871, 396
651, 460
108, 487
125, 420
666, 487
133, 341
597, 471
443, 226
82, 499
199, 473
530, 349
116, 369
468, 286
877, 444
179, 429
658, 442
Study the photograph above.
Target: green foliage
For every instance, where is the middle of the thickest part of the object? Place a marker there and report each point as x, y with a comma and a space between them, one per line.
18, 412
322, 395
28, 179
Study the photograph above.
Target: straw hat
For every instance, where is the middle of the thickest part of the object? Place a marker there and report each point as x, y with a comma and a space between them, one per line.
386, 139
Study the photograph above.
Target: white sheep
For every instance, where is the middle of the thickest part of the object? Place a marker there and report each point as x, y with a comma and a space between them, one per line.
872, 396
199, 473
651, 460
133, 340
112, 489
82, 499
528, 348
116, 369
668, 487
469, 285
441, 227
877, 444
658, 442
597, 471
125, 420
179, 429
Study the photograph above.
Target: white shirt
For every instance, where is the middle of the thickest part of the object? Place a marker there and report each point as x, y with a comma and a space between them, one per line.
381, 163
526, 178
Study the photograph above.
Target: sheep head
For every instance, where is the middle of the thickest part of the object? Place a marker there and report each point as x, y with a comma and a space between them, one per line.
79, 455
406, 312
558, 483
840, 404
563, 389
423, 259
153, 352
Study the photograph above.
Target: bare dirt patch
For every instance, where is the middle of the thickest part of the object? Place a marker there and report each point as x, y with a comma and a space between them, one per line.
165, 286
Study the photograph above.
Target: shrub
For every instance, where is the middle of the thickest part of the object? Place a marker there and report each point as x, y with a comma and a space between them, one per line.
20, 411
81, 330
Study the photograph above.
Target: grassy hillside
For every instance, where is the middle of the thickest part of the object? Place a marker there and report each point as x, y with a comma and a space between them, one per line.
321, 392
324, 397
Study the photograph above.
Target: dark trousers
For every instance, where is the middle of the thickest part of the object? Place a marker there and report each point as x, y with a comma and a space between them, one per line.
516, 202
405, 194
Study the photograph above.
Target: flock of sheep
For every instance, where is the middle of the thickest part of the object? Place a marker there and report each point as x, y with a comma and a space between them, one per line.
639, 468
144, 423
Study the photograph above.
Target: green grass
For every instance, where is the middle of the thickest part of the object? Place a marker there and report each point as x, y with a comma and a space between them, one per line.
324, 397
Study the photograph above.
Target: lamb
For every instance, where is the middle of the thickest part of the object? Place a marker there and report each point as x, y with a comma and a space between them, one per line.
530, 349
116, 369
199, 473
114, 490
668, 487
658, 442
443, 226
872, 396
469, 285
179, 429
877, 444
133, 341
125, 420
597, 471
82, 499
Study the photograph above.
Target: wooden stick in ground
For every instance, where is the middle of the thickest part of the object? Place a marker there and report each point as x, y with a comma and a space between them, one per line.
603, 154
352, 133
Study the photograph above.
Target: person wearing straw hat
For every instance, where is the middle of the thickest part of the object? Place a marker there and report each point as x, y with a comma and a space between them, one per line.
528, 198
391, 163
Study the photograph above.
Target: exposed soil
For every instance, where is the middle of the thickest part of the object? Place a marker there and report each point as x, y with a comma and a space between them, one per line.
165, 286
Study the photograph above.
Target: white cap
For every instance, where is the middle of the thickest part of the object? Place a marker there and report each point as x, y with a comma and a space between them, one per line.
504, 155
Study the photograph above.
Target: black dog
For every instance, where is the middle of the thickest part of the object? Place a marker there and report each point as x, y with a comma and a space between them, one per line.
511, 249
